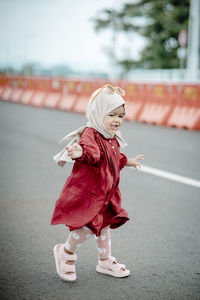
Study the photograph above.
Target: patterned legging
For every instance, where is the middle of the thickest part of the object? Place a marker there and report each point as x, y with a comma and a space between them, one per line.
77, 237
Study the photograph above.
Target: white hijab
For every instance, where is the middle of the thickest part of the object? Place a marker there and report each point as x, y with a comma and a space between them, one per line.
96, 111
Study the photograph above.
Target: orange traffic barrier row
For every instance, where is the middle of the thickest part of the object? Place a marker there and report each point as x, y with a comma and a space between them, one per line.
175, 105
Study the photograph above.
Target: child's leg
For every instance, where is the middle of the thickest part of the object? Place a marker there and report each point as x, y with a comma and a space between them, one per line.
107, 264
76, 238
104, 244
65, 255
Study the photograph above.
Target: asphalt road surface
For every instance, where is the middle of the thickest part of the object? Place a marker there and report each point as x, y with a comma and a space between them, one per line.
160, 244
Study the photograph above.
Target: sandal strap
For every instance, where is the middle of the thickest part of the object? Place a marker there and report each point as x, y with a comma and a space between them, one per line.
65, 256
117, 268
107, 263
65, 268
113, 259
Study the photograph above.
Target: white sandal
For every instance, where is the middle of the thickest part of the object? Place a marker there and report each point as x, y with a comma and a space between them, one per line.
111, 267
65, 271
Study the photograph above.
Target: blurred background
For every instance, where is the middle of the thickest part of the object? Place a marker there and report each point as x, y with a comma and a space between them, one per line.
138, 39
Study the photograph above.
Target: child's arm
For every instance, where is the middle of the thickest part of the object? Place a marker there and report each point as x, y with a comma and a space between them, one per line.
134, 162
86, 150
74, 151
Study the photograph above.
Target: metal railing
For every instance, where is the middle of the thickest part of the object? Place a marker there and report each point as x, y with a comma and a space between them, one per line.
162, 75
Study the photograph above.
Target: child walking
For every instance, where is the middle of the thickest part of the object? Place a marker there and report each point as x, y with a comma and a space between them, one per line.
90, 201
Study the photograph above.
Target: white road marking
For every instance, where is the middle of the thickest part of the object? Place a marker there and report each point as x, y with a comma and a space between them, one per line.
170, 176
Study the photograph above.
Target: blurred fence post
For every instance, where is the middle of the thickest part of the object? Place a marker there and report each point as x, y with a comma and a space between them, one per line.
193, 41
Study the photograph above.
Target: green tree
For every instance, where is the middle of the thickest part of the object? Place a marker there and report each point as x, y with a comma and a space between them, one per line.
161, 20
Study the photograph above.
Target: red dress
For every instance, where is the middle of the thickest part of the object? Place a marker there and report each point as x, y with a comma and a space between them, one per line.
91, 195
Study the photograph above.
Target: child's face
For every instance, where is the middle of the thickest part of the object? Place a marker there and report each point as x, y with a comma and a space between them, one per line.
114, 119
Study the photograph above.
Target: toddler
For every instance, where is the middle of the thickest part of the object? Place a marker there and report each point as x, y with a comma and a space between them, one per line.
90, 201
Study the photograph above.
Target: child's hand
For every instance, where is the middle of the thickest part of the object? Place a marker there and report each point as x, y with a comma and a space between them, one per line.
134, 162
74, 151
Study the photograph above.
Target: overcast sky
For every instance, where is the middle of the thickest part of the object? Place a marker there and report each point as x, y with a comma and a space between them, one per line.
58, 31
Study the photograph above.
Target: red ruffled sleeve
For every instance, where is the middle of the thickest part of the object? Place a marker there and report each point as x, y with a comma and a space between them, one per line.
123, 161
91, 150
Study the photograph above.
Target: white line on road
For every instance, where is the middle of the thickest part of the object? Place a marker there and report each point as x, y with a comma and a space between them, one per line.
170, 176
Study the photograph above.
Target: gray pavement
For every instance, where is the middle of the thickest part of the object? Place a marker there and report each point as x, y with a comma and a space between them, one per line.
160, 244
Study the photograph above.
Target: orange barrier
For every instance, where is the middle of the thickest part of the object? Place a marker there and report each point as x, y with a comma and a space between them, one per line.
54, 92
185, 117
18, 90
186, 113
159, 104
27, 95
135, 99
175, 105
3, 83
40, 90
69, 95
8, 88
83, 96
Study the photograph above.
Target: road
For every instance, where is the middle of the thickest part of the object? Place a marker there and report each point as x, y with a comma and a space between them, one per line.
160, 244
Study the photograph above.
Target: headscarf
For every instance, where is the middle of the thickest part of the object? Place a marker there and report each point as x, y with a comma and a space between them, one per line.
100, 104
